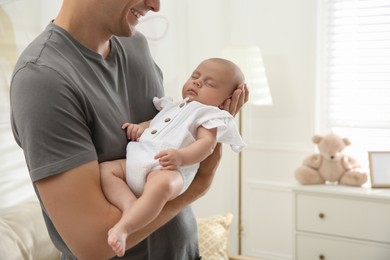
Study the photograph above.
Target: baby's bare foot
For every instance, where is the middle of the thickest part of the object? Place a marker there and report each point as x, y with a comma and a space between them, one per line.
117, 240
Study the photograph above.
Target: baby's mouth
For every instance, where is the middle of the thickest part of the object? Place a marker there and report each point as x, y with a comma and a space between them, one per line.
192, 92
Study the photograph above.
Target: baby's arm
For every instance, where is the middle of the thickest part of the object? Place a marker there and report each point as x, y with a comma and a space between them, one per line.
194, 153
134, 131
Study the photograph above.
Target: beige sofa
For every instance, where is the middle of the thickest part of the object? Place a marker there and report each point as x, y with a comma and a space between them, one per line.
24, 236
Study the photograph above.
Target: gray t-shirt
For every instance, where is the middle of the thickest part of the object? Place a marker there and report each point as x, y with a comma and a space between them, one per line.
67, 108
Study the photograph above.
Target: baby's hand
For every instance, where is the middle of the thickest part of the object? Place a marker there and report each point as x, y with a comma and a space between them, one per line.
169, 159
134, 131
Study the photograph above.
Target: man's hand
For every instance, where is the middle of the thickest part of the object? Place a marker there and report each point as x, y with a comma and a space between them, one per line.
240, 96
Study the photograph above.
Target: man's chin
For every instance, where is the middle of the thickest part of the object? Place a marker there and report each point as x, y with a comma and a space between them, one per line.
131, 31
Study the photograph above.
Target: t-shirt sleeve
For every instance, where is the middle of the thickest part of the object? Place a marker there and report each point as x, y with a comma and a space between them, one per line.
49, 122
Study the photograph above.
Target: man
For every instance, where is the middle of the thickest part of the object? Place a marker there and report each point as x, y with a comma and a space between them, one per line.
72, 89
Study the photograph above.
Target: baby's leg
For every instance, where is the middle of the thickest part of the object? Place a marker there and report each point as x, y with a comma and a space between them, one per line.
161, 187
113, 181
116, 190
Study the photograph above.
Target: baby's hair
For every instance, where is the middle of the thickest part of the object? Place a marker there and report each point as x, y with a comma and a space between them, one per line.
237, 74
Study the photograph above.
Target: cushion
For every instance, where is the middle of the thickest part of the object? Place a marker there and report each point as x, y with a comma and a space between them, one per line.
213, 235
24, 235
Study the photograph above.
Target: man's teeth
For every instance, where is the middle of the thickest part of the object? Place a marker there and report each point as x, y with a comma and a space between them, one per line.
138, 15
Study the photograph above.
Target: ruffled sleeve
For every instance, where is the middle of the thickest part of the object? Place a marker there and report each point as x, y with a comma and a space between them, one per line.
227, 132
160, 103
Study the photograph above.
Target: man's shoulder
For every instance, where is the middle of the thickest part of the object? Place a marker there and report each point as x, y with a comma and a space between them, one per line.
47, 49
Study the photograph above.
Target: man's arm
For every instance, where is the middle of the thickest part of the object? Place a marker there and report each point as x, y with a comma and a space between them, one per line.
81, 214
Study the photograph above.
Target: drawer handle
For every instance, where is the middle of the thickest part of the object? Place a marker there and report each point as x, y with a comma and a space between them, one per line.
321, 216
321, 257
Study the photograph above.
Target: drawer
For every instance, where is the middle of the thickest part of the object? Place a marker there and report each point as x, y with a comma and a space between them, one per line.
311, 247
344, 216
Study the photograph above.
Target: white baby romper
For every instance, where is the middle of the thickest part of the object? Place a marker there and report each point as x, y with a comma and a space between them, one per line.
175, 127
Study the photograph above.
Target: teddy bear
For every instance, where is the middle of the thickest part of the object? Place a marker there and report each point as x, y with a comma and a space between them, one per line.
330, 164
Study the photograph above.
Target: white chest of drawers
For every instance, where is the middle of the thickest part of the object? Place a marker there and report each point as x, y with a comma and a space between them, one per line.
335, 222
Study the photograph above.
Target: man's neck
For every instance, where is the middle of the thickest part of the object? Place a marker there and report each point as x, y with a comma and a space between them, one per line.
84, 31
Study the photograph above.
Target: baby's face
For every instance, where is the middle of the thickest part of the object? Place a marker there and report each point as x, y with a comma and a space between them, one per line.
211, 83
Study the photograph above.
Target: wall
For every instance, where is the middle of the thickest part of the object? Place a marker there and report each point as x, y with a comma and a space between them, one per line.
279, 135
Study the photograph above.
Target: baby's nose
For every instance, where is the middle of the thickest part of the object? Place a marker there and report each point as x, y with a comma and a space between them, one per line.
197, 84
